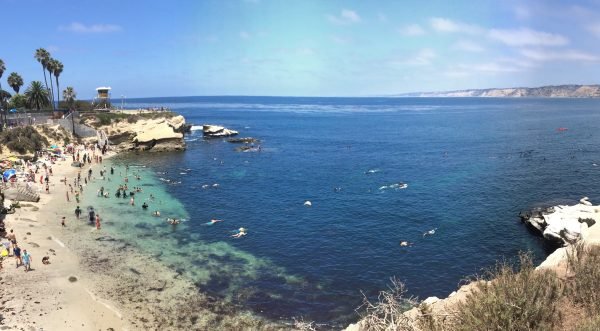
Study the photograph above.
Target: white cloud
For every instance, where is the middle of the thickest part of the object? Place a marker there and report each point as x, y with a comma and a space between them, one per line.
423, 57
527, 37
522, 12
94, 28
468, 46
565, 55
347, 16
412, 30
441, 24
594, 29
341, 40
245, 35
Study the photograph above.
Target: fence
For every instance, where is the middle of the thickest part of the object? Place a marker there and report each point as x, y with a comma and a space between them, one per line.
81, 130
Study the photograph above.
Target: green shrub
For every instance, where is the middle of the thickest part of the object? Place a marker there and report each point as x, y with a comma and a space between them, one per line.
23, 139
584, 284
513, 300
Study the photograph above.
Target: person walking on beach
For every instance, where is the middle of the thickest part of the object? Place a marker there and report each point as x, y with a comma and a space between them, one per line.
97, 221
62, 222
26, 260
77, 212
77, 197
12, 239
68, 200
17, 254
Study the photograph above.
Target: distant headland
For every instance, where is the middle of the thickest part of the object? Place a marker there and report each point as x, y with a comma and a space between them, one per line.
550, 91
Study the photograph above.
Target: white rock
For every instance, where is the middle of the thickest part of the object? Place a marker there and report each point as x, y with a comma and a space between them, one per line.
431, 300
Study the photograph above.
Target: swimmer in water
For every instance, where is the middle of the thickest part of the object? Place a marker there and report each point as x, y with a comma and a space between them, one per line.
405, 243
156, 213
213, 222
172, 221
144, 206
429, 233
241, 233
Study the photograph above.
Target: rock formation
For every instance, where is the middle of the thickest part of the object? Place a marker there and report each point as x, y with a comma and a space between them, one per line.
216, 131
563, 224
147, 134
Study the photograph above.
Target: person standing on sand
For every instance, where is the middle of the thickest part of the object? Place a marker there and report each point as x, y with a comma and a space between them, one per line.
68, 200
97, 221
17, 254
62, 222
12, 239
77, 212
77, 197
47, 188
26, 260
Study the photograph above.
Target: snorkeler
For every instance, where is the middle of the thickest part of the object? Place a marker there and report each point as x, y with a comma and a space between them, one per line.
241, 233
213, 222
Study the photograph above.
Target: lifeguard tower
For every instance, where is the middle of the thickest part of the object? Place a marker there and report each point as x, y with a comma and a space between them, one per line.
102, 99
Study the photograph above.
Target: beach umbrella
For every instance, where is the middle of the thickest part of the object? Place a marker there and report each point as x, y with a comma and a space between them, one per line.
13, 110
53, 146
8, 174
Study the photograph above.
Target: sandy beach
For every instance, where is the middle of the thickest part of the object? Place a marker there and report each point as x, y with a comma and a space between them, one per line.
96, 281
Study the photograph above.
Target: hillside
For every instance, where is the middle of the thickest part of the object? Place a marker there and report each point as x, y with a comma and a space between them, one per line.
553, 91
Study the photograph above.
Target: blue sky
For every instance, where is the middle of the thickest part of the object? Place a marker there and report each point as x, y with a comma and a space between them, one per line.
303, 48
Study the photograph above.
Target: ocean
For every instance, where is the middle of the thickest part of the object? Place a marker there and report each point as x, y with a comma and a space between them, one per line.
377, 171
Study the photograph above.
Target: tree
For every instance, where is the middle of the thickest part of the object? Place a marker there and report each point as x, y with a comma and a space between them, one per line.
69, 96
2, 102
51, 66
58, 69
15, 81
43, 56
37, 96
17, 101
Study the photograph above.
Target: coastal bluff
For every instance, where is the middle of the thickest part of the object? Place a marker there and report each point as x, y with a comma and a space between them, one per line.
572, 227
551, 91
143, 132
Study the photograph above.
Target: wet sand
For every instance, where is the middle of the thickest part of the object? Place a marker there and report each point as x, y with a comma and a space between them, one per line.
96, 281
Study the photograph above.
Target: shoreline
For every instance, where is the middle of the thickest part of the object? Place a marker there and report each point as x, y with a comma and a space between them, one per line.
116, 286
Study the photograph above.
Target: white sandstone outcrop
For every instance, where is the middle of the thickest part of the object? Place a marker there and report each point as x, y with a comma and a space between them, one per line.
217, 131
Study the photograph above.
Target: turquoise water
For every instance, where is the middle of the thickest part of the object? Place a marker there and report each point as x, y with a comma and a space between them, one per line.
470, 164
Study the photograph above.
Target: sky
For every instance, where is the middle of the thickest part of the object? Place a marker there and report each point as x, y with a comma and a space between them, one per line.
302, 47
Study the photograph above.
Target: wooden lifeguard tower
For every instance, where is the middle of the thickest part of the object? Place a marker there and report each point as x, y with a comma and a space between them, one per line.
102, 99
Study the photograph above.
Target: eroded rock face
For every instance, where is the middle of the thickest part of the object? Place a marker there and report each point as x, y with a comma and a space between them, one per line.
155, 135
563, 224
217, 131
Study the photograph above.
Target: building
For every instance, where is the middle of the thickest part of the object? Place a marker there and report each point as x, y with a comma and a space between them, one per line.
102, 99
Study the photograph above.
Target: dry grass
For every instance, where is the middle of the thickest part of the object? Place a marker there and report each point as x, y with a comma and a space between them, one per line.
386, 314
513, 300
583, 278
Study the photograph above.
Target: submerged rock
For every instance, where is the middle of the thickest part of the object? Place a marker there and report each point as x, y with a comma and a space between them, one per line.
216, 131
245, 140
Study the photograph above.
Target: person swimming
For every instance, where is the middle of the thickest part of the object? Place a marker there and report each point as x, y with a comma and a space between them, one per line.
213, 222
241, 233
144, 205
172, 221
405, 243
156, 213
430, 232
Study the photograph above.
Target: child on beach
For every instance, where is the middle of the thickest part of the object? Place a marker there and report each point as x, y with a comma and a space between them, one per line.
26, 260
97, 221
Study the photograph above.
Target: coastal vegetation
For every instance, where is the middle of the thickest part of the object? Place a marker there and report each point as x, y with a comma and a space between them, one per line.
37, 96
503, 298
23, 140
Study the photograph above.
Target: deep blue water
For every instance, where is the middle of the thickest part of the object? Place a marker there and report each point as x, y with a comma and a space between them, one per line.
470, 164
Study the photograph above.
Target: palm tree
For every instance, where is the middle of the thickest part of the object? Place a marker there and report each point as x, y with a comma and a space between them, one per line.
42, 56
69, 96
58, 69
51, 66
15, 81
37, 95
2, 69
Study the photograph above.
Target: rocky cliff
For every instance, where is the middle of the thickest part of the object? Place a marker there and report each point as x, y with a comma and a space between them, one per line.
555, 91
154, 134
